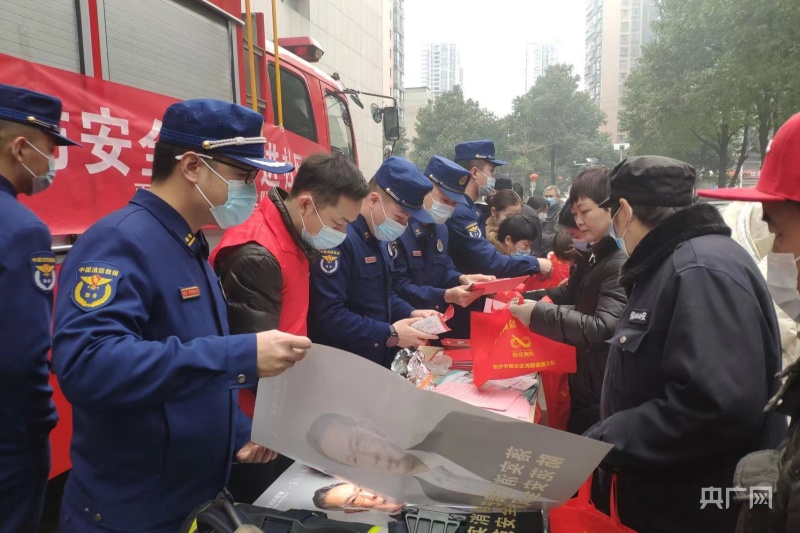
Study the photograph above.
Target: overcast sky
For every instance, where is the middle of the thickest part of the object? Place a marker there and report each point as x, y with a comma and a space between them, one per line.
491, 36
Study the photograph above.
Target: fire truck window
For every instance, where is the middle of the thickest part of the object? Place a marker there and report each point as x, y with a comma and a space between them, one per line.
297, 114
339, 124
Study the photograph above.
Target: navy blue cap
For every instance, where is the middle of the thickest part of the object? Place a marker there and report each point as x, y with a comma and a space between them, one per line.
451, 179
216, 127
477, 150
37, 110
406, 185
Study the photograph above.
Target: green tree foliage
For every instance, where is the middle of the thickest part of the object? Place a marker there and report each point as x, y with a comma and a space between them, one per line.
719, 75
555, 124
551, 131
447, 121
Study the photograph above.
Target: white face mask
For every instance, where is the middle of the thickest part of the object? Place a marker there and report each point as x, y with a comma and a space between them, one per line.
782, 283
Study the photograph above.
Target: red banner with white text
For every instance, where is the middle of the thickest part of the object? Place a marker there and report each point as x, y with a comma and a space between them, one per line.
118, 126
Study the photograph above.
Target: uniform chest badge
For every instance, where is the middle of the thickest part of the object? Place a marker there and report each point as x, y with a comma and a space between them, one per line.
474, 230
95, 285
189, 293
440, 246
416, 253
371, 259
392, 249
329, 262
43, 265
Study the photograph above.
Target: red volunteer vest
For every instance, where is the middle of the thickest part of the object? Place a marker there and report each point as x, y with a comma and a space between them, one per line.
266, 227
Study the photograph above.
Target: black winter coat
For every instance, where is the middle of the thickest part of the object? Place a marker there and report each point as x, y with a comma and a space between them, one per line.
693, 361
550, 228
584, 314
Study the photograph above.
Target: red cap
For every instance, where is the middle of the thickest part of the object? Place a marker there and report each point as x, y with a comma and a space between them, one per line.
780, 174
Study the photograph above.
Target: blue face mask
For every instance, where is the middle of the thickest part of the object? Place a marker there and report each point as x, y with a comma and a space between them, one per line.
239, 205
518, 252
613, 233
390, 230
440, 212
488, 189
326, 238
580, 244
41, 183
551, 201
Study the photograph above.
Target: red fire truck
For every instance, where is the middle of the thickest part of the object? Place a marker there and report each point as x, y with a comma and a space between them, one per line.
117, 65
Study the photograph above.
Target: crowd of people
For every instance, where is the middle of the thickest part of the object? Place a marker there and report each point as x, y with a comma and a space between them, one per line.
158, 342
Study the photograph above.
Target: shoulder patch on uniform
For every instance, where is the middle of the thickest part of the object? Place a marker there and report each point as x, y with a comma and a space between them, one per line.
329, 261
43, 265
95, 284
474, 230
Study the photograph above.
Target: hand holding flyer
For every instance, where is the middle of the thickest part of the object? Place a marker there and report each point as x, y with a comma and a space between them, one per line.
435, 324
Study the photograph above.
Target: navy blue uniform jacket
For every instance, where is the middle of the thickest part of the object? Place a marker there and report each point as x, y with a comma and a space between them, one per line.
352, 303
27, 279
142, 351
473, 254
423, 269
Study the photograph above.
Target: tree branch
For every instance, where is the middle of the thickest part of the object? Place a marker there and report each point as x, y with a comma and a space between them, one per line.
742, 157
705, 141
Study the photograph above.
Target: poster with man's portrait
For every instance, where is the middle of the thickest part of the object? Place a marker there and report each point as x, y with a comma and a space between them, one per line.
348, 417
301, 487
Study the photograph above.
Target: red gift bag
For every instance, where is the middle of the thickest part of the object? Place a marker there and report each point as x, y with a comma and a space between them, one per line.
502, 348
555, 387
579, 515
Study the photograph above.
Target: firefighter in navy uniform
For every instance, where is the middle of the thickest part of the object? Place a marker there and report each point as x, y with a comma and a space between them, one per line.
424, 273
141, 345
29, 133
471, 252
352, 305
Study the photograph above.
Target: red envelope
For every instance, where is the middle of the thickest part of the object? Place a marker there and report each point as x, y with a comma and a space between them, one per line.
455, 343
498, 285
502, 348
560, 273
